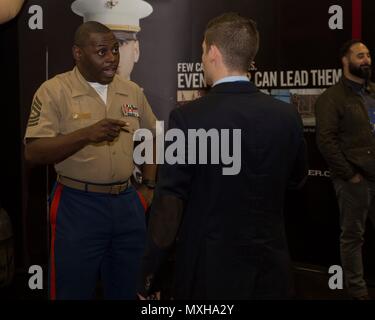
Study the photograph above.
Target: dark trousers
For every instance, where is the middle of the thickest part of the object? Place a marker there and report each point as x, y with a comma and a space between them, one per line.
356, 203
92, 235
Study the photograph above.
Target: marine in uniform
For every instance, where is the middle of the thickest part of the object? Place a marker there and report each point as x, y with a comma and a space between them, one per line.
122, 17
83, 121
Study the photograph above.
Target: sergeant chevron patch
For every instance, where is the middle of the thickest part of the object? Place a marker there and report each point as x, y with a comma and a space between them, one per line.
35, 113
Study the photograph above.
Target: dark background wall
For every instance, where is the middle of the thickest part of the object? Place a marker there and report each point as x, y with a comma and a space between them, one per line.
10, 132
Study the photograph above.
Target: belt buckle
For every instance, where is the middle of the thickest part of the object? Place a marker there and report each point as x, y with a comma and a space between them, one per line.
116, 189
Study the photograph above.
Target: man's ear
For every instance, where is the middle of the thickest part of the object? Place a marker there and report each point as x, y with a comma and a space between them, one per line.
345, 61
77, 53
214, 53
136, 51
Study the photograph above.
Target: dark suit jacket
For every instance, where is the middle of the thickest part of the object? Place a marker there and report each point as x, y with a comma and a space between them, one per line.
229, 229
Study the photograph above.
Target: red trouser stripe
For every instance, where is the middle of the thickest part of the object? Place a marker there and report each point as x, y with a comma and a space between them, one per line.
53, 218
143, 201
356, 19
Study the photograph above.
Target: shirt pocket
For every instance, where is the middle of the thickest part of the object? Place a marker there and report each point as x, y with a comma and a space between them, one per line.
91, 151
126, 138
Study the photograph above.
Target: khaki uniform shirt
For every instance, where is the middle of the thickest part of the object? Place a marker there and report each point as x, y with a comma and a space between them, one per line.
67, 103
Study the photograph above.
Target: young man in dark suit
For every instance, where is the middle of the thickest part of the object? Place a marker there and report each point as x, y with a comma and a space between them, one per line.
228, 223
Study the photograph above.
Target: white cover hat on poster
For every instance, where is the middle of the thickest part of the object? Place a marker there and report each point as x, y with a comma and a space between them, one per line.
119, 15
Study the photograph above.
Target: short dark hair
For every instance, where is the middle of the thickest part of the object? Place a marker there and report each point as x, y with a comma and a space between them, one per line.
236, 37
345, 48
83, 32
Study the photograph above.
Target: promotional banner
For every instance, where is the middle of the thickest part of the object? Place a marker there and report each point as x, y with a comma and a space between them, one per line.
297, 61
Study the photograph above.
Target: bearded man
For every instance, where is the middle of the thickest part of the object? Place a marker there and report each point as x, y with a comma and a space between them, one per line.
345, 117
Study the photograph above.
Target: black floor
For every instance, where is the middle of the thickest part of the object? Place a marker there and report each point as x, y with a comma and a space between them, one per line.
311, 283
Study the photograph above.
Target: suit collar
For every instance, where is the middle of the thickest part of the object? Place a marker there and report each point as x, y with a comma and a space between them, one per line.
234, 87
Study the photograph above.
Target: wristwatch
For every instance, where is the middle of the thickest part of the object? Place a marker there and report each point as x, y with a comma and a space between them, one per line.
149, 183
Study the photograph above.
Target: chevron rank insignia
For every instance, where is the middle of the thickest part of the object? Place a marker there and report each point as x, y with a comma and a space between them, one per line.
36, 108
130, 110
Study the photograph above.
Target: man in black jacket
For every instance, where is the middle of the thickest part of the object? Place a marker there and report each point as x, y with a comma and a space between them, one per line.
228, 221
345, 116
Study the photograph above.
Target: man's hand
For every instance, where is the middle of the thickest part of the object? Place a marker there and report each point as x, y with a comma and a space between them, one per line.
140, 297
104, 130
356, 179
